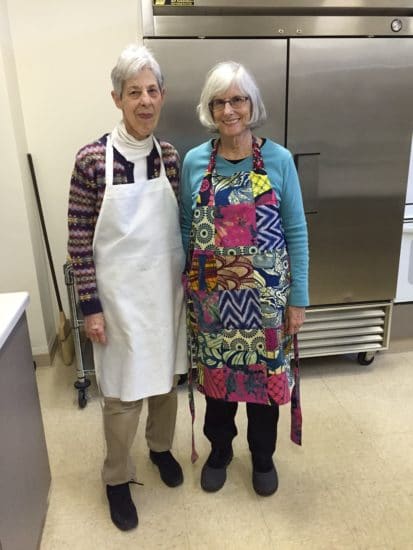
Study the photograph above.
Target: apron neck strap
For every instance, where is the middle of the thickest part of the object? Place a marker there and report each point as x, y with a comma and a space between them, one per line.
109, 159
257, 162
162, 173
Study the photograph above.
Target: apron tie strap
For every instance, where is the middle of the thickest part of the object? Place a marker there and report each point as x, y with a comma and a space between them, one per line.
296, 414
194, 454
190, 352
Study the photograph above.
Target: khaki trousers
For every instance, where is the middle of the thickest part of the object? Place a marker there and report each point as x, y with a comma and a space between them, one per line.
120, 423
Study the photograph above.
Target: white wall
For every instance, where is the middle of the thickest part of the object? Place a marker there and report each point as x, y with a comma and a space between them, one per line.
64, 52
23, 258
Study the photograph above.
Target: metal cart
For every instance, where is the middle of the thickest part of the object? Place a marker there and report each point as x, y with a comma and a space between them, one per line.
83, 346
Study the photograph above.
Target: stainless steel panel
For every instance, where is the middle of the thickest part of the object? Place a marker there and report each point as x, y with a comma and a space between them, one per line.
402, 327
307, 166
272, 18
342, 329
147, 17
346, 314
343, 324
356, 339
348, 332
275, 26
185, 63
339, 350
350, 100
291, 4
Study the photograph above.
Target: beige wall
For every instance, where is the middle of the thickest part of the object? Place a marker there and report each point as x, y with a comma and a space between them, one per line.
23, 258
54, 98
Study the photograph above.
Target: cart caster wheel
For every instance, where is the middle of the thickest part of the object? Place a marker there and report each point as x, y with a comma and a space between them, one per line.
82, 400
365, 357
81, 386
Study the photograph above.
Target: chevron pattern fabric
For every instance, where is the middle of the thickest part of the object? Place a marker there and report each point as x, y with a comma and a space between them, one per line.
240, 308
269, 230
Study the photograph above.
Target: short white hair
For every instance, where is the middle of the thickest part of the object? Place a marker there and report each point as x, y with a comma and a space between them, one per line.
218, 80
131, 61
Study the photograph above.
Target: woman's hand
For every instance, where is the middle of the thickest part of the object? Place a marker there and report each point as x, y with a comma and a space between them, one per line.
294, 318
95, 327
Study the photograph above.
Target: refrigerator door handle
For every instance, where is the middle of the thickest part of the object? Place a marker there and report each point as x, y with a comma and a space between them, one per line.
307, 168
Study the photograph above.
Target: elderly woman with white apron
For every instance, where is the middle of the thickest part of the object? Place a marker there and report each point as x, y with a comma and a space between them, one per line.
245, 233
126, 249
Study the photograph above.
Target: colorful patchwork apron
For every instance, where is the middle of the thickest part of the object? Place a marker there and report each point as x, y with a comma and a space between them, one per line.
238, 283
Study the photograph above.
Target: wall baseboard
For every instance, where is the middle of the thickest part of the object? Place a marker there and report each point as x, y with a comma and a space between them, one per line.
46, 359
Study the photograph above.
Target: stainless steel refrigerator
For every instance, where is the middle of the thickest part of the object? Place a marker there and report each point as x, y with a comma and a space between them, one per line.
337, 80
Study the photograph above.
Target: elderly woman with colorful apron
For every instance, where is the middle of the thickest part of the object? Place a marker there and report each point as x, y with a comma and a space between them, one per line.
245, 234
126, 248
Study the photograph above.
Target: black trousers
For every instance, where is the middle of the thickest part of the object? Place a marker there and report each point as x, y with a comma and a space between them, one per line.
220, 428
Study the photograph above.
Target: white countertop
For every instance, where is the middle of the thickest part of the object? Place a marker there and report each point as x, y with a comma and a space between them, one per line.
12, 306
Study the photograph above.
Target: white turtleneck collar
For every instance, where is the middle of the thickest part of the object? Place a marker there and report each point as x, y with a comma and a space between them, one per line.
128, 146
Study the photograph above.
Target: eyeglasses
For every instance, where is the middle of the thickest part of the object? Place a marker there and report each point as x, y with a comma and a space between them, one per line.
236, 102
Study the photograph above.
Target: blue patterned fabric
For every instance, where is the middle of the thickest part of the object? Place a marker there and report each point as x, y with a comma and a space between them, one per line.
270, 233
240, 308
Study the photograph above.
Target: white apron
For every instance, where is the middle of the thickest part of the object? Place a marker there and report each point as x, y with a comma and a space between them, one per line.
139, 260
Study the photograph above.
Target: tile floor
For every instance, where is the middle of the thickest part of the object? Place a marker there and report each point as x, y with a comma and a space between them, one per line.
349, 487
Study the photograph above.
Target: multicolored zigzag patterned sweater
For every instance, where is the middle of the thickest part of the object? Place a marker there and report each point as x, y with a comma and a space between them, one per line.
87, 188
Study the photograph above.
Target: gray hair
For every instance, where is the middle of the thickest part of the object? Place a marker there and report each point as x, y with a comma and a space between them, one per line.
218, 80
132, 60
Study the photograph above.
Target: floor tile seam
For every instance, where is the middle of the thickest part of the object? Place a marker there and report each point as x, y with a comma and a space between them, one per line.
349, 526
374, 434
344, 408
303, 539
368, 436
264, 520
188, 526
336, 398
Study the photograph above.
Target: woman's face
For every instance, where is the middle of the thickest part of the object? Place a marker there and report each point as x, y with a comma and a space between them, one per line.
141, 103
232, 121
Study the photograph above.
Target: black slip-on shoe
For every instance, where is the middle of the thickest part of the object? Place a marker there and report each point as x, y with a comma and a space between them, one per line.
169, 469
214, 471
265, 483
122, 508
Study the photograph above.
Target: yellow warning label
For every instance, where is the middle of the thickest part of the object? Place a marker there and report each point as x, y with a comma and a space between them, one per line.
174, 2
